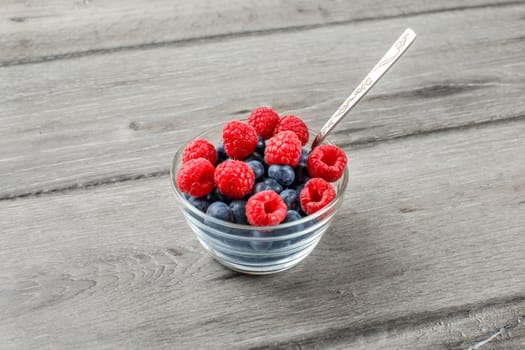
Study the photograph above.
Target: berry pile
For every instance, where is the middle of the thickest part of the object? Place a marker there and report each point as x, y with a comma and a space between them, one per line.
260, 174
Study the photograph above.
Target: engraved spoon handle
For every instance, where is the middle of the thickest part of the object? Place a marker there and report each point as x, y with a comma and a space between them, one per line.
388, 60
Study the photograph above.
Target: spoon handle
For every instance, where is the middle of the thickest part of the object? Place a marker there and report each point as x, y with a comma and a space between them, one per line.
388, 60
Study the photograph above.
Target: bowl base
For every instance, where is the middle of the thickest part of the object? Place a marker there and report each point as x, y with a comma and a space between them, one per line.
266, 269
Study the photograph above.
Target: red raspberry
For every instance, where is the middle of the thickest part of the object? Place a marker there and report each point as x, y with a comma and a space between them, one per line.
239, 139
283, 149
234, 178
327, 162
199, 148
264, 120
295, 124
265, 208
315, 195
195, 177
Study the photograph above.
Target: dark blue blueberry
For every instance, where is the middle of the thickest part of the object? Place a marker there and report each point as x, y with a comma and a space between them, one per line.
301, 175
238, 208
257, 167
307, 226
290, 198
299, 188
261, 145
217, 196
221, 153
274, 185
261, 186
310, 222
283, 174
254, 156
191, 213
260, 245
292, 215
200, 203
258, 157
304, 157
221, 211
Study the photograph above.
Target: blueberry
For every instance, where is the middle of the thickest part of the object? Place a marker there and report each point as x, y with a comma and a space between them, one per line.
221, 153
268, 184
260, 245
196, 202
254, 156
200, 203
301, 175
257, 167
221, 211
274, 185
261, 145
238, 208
292, 215
283, 174
290, 198
307, 226
217, 196
299, 188
261, 186
304, 157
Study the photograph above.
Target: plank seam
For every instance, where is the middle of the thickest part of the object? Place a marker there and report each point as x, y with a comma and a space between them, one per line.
424, 132
164, 172
87, 185
404, 323
234, 35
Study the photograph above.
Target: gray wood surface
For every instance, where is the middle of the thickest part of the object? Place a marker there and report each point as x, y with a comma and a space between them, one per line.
415, 254
122, 115
426, 252
33, 30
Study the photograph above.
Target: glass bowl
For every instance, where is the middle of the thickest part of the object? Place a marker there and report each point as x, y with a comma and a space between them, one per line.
250, 249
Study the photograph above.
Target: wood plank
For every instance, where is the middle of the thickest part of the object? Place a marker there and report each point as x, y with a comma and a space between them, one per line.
34, 30
121, 115
491, 327
431, 232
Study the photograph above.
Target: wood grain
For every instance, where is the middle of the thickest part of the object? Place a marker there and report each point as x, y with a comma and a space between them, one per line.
492, 326
34, 30
427, 250
106, 118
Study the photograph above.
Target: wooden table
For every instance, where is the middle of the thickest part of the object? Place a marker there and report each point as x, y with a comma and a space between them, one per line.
428, 250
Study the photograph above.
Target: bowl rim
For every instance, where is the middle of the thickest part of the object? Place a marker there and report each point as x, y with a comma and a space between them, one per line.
342, 184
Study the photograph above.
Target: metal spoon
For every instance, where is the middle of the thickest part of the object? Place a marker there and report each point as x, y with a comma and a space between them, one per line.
388, 60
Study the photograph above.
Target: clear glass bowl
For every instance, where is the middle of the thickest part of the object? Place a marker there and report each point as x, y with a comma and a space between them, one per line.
256, 249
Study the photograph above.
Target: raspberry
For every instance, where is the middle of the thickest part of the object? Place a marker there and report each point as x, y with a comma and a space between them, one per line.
327, 162
283, 149
234, 178
315, 195
264, 120
295, 124
265, 208
199, 148
239, 139
195, 177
